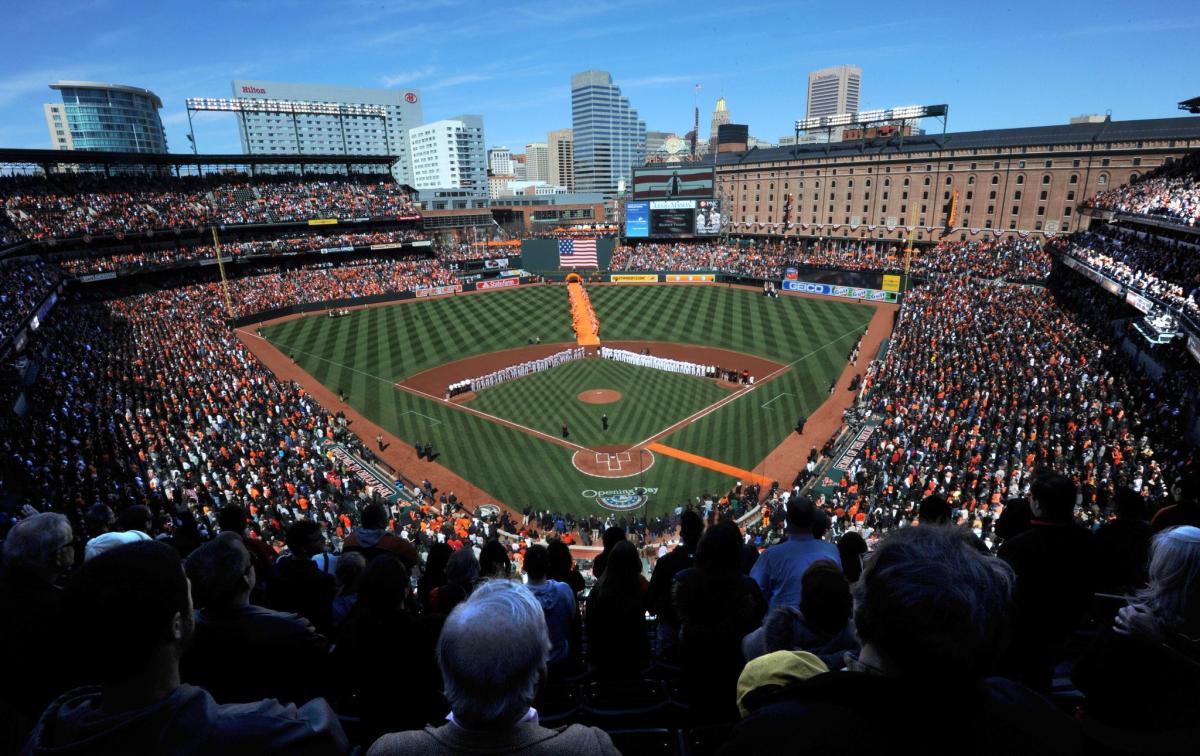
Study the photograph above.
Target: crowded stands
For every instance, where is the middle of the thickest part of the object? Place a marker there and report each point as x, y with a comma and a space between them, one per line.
1171, 192
24, 285
1162, 269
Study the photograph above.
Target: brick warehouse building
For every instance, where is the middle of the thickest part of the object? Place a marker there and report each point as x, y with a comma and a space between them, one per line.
1013, 181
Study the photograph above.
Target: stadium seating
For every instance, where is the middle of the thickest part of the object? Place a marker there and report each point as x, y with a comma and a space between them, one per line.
1170, 193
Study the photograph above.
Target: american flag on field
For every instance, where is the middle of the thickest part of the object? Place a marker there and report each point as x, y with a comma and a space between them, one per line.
577, 253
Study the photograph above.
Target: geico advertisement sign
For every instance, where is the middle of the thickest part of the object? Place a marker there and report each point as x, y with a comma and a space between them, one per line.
806, 287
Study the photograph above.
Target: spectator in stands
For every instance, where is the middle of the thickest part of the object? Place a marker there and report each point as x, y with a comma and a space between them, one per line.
821, 624
229, 629
662, 582
1055, 567
617, 647
931, 611
100, 523
433, 574
612, 536
1184, 508
1144, 673
135, 604
717, 606
558, 603
39, 553
232, 519
349, 572
492, 654
372, 538
935, 510
462, 572
384, 619
562, 566
1122, 546
494, 561
296, 584
852, 547
780, 568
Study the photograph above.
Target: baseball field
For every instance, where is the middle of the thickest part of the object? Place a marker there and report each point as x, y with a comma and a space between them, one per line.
675, 436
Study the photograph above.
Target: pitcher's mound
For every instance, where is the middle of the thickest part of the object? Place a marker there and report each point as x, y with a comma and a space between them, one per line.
599, 396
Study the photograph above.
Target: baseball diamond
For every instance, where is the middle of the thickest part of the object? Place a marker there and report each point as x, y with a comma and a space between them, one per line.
394, 362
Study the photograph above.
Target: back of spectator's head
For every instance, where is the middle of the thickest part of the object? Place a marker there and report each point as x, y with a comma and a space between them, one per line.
463, 568
691, 527
349, 569
801, 512
935, 510
720, 550
1173, 593
232, 518
825, 596
98, 518
304, 538
374, 516
41, 546
437, 559
1129, 504
851, 547
134, 601
494, 560
537, 562
1187, 487
492, 653
1053, 496
137, 517
384, 584
560, 556
612, 536
820, 524
220, 571
933, 605
1015, 518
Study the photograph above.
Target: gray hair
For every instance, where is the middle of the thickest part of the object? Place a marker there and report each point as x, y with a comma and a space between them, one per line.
492, 654
1174, 577
34, 542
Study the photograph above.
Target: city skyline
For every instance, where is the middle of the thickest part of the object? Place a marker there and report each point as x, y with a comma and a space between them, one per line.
1004, 74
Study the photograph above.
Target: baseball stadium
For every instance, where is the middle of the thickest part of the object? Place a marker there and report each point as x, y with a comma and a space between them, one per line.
386, 428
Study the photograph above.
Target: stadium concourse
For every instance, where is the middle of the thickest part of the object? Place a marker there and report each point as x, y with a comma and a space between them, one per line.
1018, 529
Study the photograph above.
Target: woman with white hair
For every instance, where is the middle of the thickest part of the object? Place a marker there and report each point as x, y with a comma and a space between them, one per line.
492, 653
1144, 674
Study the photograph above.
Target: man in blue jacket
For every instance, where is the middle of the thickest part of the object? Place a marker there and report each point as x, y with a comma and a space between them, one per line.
779, 570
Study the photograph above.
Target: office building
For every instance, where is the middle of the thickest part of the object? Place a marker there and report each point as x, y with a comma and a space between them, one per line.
720, 117
833, 91
105, 117
450, 154
609, 138
343, 131
537, 161
518, 159
499, 161
560, 145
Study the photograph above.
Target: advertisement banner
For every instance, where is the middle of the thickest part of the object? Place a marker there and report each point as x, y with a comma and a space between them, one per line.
690, 277
323, 222
791, 274
637, 219
1138, 301
891, 283
97, 277
498, 283
849, 292
496, 264
374, 480
633, 277
438, 291
389, 245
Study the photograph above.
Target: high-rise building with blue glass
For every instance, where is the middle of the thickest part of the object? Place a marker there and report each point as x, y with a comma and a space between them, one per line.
105, 117
609, 140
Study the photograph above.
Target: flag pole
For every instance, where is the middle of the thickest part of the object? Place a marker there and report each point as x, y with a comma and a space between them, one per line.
221, 267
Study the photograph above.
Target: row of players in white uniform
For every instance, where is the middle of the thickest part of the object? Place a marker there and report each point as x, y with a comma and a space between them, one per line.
659, 363
515, 371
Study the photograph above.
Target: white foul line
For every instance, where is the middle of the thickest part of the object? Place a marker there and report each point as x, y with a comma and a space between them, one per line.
764, 404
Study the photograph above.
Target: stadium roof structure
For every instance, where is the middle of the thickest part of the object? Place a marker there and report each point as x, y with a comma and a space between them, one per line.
1075, 133
87, 157
1191, 106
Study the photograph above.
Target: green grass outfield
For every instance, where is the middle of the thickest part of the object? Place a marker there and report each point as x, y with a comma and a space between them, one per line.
366, 353
651, 400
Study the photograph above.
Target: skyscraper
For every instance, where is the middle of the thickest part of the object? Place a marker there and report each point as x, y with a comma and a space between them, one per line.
720, 117
608, 137
449, 154
561, 147
268, 133
832, 91
105, 117
500, 161
537, 161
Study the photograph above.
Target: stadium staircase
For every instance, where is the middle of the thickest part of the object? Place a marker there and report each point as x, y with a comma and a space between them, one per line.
583, 317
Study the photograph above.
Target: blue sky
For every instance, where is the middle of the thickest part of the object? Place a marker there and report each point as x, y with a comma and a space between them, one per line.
996, 64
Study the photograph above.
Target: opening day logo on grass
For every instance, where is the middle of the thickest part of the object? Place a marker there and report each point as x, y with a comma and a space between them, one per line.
620, 500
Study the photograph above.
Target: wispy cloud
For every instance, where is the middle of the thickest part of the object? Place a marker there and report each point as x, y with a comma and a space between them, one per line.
458, 80
401, 78
646, 82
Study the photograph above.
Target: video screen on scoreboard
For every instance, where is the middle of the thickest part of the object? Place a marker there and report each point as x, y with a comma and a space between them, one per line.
637, 220
665, 180
684, 217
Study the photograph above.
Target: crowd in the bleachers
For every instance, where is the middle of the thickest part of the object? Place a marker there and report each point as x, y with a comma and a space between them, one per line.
71, 205
278, 244
1015, 259
1171, 192
1163, 269
24, 285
